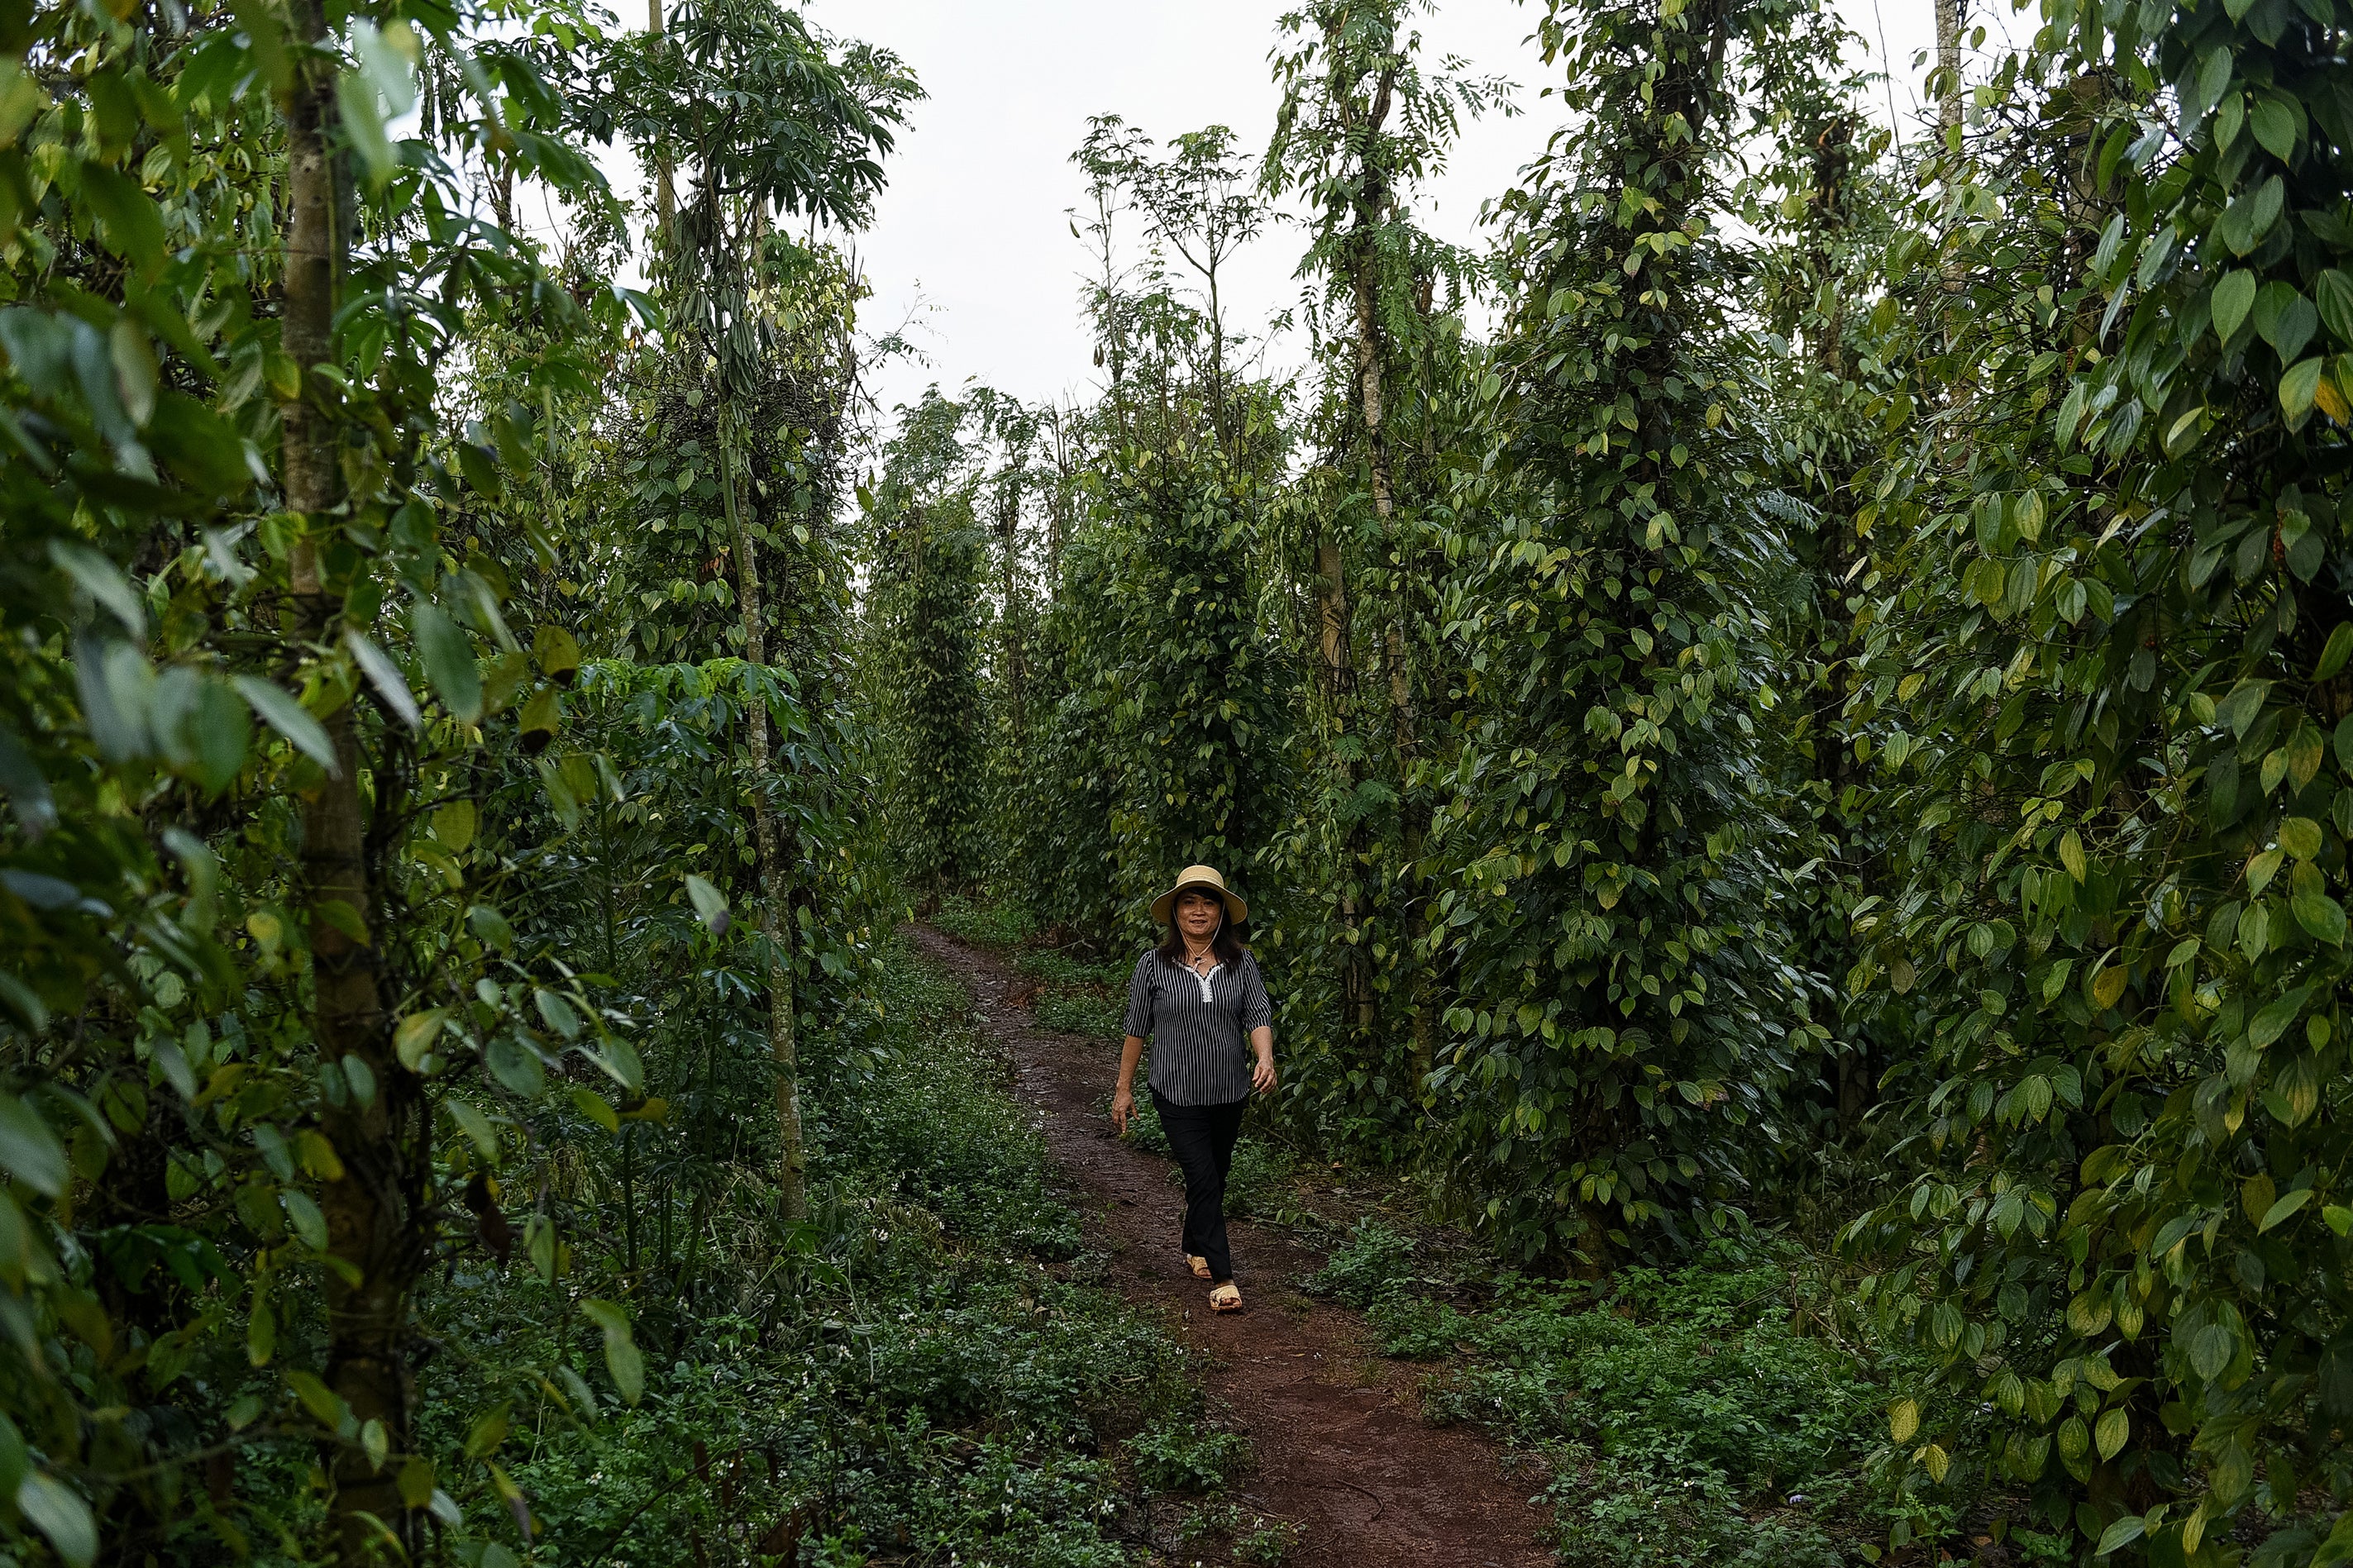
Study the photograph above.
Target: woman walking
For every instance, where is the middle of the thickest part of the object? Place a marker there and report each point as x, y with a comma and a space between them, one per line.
1199, 997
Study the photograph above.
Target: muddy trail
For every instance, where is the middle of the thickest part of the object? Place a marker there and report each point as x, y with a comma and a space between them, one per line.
1341, 1450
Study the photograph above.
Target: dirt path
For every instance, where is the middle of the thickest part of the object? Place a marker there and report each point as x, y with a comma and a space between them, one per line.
1341, 1450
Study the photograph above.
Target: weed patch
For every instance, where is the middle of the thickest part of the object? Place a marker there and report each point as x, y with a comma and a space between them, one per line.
1080, 1012
1685, 1418
1183, 1455
997, 923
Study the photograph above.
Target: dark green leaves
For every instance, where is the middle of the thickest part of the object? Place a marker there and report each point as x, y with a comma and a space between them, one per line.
2234, 297
2248, 220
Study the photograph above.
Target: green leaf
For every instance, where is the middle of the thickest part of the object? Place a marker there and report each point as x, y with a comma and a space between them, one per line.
621, 1357
29, 1149
2213, 79
2120, 1534
454, 825
2300, 836
132, 228
475, 1125
325, 1405
489, 1430
2283, 1209
2272, 1023
303, 1213
384, 675
489, 927
283, 714
2240, 708
362, 119
2234, 296
2299, 387
448, 661
103, 581
2230, 119
2108, 1436
260, 1333
708, 903
2332, 291
58, 1512
2320, 915
2333, 657
559, 1014
597, 1109
2275, 126
2211, 1351
620, 1062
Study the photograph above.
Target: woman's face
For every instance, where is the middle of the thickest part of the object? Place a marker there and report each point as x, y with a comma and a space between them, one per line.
1197, 914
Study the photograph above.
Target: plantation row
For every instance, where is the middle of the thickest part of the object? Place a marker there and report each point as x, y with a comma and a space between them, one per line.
1830, 718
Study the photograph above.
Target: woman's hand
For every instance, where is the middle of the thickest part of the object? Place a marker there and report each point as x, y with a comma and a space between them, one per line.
1122, 1107
1261, 1041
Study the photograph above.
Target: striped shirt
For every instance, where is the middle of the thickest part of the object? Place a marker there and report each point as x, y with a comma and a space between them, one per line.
1200, 1027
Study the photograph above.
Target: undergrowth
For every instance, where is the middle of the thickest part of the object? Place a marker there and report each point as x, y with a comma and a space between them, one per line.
924, 1370
1686, 1420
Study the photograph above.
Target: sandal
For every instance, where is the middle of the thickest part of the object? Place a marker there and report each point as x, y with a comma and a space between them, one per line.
1200, 1265
1226, 1297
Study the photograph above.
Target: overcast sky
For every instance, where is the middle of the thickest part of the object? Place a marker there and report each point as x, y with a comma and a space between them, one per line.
970, 247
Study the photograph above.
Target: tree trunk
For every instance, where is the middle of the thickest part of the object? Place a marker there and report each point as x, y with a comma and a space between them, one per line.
1948, 73
1008, 538
665, 177
775, 911
1412, 810
371, 1219
1337, 669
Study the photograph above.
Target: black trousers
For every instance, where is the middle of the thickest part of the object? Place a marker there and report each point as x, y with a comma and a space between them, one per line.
1202, 1138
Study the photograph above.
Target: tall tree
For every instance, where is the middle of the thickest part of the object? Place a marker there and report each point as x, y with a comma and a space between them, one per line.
769, 121
1360, 125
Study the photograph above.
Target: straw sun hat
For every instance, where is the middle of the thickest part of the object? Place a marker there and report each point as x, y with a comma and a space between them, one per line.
1206, 879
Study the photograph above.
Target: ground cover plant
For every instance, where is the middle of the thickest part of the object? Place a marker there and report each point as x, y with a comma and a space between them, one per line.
1685, 1414
917, 1370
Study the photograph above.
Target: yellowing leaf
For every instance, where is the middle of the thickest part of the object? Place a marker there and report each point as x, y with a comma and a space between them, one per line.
2256, 1197
1902, 1419
489, 1430
453, 826
2330, 401
416, 1034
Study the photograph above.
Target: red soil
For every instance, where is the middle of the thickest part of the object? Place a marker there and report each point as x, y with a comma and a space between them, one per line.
1341, 1450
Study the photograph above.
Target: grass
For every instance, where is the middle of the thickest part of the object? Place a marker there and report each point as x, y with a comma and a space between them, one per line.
993, 923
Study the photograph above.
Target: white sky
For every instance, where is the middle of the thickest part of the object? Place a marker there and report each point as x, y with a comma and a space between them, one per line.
970, 246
